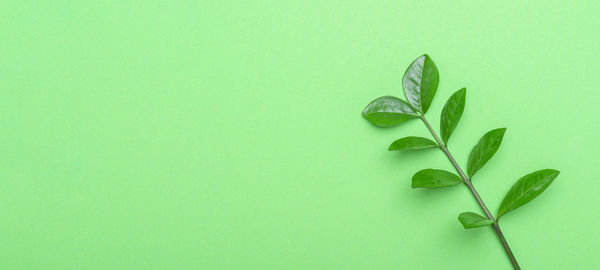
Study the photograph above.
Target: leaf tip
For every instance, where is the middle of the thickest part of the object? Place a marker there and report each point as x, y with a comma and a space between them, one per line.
554, 173
413, 183
365, 111
365, 115
501, 132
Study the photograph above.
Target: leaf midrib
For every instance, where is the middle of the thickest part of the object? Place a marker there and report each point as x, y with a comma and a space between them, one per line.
521, 196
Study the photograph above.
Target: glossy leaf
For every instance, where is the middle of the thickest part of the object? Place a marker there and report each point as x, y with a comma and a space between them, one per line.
471, 220
420, 83
526, 189
484, 150
388, 111
451, 114
412, 143
431, 178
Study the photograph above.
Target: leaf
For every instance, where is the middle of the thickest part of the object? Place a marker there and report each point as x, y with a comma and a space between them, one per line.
420, 83
412, 143
451, 114
431, 178
388, 111
526, 189
484, 150
471, 220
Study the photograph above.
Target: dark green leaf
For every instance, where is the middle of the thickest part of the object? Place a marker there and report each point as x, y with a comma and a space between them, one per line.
484, 150
411, 143
471, 220
431, 178
526, 189
420, 83
451, 114
388, 111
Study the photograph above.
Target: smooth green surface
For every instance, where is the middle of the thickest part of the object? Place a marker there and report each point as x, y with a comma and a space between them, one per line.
420, 83
526, 189
484, 150
451, 114
471, 220
388, 111
412, 143
228, 134
432, 178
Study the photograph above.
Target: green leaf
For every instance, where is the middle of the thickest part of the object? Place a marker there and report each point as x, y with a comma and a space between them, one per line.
526, 189
451, 114
420, 83
412, 143
484, 150
431, 178
388, 111
471, 220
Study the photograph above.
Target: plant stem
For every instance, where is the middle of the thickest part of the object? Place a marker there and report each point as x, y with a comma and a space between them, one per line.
468, 183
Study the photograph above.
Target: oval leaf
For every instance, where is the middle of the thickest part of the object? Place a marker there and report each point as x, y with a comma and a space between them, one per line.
412, 143
388, 111
431, 178
420, 82
526, 189
471, 220
451, 114
484, 150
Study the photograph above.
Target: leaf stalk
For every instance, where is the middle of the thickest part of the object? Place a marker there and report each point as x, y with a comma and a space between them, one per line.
468, 183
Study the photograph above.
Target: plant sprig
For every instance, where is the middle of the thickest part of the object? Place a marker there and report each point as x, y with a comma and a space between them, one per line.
420, 84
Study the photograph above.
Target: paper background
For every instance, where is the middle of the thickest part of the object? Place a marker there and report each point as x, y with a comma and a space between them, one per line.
228, 135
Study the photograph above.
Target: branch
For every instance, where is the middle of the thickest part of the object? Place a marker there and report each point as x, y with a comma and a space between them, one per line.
468, 183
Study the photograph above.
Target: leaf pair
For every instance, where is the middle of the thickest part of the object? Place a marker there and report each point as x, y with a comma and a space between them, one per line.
428, 178
522, 192
420, 83
483, 151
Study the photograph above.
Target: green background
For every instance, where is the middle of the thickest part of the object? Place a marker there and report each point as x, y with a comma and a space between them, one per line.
228, 135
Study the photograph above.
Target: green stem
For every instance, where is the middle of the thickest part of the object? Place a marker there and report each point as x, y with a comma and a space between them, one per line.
468, 183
